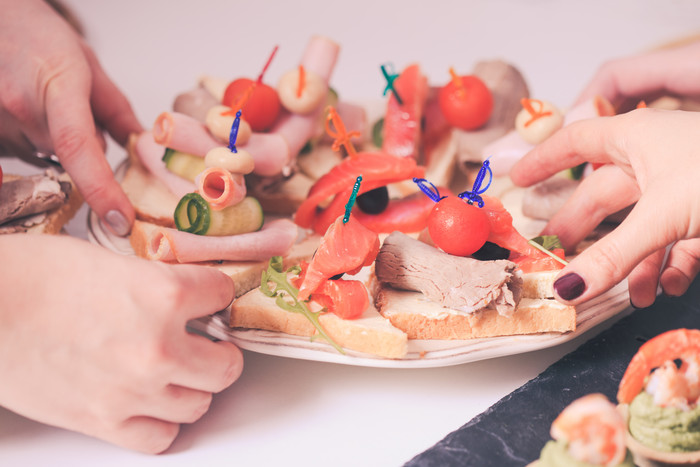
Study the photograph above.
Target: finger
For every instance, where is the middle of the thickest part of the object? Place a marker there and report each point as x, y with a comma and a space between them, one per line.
144, 434
682, 266
583, 141
176, 404
200, 290
206, 365
75, 142
608, 261
606, 191
111, 108
643, 281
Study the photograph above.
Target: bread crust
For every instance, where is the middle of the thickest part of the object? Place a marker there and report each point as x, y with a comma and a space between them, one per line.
420, 318
369, 334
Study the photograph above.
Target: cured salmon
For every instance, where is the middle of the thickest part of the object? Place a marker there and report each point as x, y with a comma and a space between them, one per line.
377, 169
529, 258
345, 248
403, 121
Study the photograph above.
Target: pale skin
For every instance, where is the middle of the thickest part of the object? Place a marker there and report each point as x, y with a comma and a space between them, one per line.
92, 341
653, 159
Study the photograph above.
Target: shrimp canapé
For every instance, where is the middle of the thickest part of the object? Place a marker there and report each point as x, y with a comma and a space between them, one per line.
654, 368
593, 430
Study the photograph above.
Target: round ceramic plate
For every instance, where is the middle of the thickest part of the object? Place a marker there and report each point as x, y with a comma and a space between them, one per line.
421, 353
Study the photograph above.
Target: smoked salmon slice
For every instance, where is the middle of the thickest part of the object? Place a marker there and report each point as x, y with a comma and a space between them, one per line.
345, 248
377, 170
402, 122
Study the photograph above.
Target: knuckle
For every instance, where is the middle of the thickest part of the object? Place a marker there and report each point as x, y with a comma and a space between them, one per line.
609, 261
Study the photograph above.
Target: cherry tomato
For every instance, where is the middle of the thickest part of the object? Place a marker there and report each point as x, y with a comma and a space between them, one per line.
262, 107
458, 228
466, 102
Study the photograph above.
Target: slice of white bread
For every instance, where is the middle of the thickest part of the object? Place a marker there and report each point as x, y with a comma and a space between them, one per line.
371, 333
51, 222
421, 318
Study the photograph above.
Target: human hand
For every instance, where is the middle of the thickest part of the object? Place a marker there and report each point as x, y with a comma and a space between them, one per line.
627, 81
52, 92
95, 342
656, 157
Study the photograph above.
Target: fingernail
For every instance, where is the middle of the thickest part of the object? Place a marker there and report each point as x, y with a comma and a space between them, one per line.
117, 222
569, 286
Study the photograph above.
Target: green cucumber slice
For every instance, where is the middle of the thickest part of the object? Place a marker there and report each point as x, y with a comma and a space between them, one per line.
185, 165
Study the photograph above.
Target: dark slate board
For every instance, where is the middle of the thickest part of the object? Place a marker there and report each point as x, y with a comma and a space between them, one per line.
513, 431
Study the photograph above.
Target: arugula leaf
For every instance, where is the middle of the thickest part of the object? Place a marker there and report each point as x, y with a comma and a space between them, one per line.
287, 295
548, 242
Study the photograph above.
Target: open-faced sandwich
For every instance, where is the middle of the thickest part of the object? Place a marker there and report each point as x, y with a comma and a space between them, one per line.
37, 204
658, 396
589, 432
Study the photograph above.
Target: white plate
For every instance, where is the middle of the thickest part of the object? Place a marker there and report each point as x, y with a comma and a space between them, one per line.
421, 353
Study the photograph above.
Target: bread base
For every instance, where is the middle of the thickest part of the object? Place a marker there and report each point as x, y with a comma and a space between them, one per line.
370, 333
421, 318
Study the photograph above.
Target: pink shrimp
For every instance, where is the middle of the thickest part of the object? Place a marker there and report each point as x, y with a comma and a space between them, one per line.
593, 429
681, 344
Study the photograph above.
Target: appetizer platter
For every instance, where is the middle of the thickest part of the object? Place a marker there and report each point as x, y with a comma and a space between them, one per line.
361, 234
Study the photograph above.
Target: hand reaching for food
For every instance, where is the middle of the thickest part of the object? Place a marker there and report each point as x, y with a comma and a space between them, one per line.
52, 102
106, 335
655, 159
667, 71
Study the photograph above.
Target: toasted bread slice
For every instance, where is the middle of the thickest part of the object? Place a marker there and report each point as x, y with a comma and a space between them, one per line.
371, 333
52, 221
421, 318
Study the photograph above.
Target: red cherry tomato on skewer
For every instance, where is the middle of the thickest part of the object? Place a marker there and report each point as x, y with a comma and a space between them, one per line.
261, 108
466, 102
457, 227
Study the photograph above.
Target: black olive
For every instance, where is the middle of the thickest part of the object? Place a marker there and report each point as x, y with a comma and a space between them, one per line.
491, 251
374, 201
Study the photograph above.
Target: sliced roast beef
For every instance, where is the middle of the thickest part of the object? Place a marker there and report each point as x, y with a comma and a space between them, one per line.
455, 282
31, 195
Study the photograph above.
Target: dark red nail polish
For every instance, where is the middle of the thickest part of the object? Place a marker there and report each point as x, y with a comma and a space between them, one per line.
569, 286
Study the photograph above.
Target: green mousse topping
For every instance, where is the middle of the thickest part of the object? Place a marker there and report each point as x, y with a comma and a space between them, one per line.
556, 454
664, 428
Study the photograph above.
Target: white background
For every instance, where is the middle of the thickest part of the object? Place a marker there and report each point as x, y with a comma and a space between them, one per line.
292, 412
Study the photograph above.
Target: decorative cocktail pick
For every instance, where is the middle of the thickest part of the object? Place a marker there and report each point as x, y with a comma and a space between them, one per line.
430, 191
473, 196
390, 77
341, 137
351, 200
234, 133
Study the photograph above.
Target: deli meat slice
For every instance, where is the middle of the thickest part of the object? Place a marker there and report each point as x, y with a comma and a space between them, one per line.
31, 195
150, 154
455, 282
275, 238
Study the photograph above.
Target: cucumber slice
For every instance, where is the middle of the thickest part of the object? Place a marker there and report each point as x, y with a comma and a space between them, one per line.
246, 216
192, 214
378, 133
185, 165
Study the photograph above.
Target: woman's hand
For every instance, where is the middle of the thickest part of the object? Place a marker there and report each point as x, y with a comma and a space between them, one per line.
96, 342
627, 81
53, 93
654, 160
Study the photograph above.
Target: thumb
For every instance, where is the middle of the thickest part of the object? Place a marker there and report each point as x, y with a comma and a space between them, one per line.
78, 148
647, 229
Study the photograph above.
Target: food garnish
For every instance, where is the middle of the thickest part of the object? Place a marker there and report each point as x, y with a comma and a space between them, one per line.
286, 296
259, 102
466, 102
